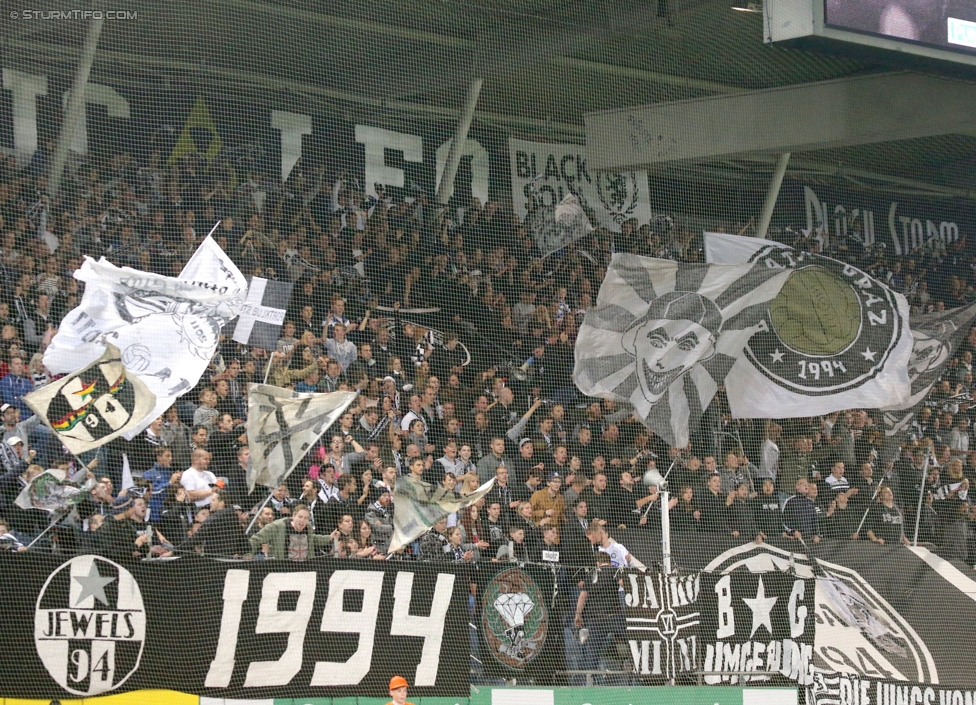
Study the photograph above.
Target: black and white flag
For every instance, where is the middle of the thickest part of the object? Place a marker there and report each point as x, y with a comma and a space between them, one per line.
663, 335
835, 338
851, 689
263, 314
761, 623
661, 617
283, 425
936, 337
167, 328
555, 227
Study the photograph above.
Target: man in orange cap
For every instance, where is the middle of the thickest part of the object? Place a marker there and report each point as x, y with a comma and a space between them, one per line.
398, 691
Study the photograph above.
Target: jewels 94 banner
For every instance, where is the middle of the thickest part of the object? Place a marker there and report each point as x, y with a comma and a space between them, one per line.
89, 626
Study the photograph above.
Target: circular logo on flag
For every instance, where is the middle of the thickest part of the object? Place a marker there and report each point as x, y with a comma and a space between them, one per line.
831, 327
514, 618
90, 625
852, 617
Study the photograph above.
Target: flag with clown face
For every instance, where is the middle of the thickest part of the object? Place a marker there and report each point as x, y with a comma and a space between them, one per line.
663, 336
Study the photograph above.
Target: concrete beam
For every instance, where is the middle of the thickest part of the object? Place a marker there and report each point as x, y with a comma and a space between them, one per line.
838, 113
254, 80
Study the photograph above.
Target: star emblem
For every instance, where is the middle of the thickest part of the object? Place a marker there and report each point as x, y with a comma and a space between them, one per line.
761, 608
93, 585
777, 355
869, 354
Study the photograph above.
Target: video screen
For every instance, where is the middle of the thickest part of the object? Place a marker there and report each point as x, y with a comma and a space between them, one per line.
948, 24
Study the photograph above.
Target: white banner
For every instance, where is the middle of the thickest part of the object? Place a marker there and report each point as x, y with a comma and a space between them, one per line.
835, 338
614, 197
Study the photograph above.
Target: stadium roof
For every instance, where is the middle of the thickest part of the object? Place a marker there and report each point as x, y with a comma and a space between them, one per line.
546, 63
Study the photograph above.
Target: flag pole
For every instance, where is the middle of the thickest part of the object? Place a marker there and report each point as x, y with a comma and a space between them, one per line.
267, 370
258, 510
38, 538
921, 494
873, 498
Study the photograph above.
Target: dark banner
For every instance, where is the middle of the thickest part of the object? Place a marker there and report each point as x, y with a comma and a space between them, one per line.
901, 223
758, 622
882, 612
89, 626
662, 619
519, 615
847, 689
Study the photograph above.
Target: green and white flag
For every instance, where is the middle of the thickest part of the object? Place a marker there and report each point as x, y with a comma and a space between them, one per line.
418, 505
54, 491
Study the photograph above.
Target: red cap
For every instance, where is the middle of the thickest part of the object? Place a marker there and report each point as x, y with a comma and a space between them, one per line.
397, 682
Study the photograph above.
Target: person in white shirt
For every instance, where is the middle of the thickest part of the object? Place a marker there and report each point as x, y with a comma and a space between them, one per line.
416, 412
339, 349
769, 465
197, 480
620, 557
959, 437
836, 481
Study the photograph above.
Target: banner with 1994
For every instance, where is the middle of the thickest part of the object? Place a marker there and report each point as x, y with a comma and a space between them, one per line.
89, 626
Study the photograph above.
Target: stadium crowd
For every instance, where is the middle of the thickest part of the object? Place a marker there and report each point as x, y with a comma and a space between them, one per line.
460, 339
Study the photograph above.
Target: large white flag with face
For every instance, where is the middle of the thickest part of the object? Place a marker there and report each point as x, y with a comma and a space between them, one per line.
663, 336
167, 328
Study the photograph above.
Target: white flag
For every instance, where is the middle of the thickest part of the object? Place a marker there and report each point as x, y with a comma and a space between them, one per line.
167, 328
835, 338
94, 405
554, 227
664, 335
723, 248
417, 506
283, 425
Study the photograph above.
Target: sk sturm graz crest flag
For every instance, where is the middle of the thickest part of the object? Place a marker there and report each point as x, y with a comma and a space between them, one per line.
166, 327
554, 227
663, 336
263, 314
90, 407
835, 338
283, 425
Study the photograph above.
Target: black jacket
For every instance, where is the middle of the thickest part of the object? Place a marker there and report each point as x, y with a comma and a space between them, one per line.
220, 535
116, 539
